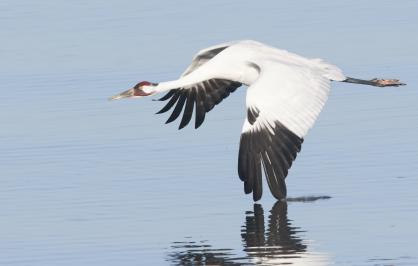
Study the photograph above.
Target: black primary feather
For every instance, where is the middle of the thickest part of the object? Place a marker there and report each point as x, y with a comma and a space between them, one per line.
275, 151
203, 96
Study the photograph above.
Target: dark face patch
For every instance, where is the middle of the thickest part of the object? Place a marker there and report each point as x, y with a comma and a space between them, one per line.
142, 83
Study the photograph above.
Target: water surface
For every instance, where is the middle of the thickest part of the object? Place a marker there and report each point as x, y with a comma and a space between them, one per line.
91, 182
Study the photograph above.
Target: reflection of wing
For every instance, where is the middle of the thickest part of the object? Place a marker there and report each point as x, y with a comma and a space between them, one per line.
280, 111
278, 239
278, 243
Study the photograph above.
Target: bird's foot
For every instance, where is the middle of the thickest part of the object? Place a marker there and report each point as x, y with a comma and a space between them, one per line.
387, 82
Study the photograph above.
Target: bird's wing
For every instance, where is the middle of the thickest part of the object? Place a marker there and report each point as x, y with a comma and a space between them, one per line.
204, 95
281, 107
205, 55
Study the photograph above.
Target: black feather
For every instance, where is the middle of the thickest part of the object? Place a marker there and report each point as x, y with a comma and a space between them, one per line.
205, 95
177, 110
258, 185
276, 148
168, 95
272, 180
200, 109
252, 114
188, 110
242, 157
170, 103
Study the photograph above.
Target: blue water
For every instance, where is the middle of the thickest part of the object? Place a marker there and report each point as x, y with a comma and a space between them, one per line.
85, 181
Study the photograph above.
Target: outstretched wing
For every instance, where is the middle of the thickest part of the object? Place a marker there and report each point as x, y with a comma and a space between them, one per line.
281, 108
204, 95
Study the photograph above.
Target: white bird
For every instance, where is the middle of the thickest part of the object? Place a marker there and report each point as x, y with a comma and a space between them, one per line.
285, 95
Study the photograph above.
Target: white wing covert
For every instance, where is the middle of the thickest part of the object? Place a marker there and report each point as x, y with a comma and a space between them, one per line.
205, 55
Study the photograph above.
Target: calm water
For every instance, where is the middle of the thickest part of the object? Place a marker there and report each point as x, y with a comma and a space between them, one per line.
85, 181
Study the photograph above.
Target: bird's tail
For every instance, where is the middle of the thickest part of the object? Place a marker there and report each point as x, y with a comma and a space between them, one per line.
330, 71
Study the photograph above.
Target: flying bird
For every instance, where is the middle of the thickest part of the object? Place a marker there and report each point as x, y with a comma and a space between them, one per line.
285, 95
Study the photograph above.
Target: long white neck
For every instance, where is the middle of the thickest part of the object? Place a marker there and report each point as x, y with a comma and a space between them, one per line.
210, 70
197, 76
173, 84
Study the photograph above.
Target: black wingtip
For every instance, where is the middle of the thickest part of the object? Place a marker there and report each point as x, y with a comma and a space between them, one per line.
179, 107
276, 151
200, 117
188, 109
256, 196
196, 126
247, 188
170, 103
204, 96
169, 120
167, 96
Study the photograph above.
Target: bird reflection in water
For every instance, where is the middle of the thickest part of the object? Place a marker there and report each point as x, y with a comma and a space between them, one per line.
275, 243
279, 239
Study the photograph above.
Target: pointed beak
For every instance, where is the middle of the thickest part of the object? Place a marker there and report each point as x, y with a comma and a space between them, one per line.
126, 94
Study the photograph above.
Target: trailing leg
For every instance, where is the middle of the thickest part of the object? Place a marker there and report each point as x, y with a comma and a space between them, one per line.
375, 82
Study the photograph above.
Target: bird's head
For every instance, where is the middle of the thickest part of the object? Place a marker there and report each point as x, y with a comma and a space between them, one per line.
141, 89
